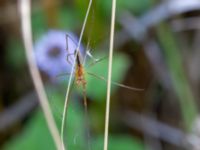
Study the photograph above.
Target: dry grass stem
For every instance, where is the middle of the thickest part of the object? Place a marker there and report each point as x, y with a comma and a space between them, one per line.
25, 9
109, 75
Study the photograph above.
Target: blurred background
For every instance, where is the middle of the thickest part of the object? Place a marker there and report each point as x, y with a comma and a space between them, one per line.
156, 48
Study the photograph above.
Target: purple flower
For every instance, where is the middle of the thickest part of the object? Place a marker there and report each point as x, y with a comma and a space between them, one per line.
51, 52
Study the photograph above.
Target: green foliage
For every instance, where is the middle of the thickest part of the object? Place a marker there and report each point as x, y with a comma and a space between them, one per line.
39, 24
118, 143
136, 6
36, 136
68, 19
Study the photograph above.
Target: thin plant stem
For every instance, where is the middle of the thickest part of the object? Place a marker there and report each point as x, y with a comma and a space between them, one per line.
71, 75
109, 75
25, 9
86, 118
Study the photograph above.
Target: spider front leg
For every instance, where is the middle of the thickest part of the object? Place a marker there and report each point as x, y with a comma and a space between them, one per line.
68, 58
67, 49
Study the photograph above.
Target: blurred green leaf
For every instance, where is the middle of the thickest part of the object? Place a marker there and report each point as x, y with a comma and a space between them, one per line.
96, 88
36, 136
135, 6
39, 25
68, 19
119, 143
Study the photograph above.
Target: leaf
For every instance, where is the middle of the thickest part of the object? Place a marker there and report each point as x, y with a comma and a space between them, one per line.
137, 7
39, 25
68, 19
96, 88
36, 136
121, 142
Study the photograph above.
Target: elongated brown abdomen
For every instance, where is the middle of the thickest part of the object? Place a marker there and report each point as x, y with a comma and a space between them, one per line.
80, 75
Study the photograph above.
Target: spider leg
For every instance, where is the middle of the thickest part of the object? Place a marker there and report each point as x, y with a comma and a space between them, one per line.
68, 58
67, 48
96, 60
